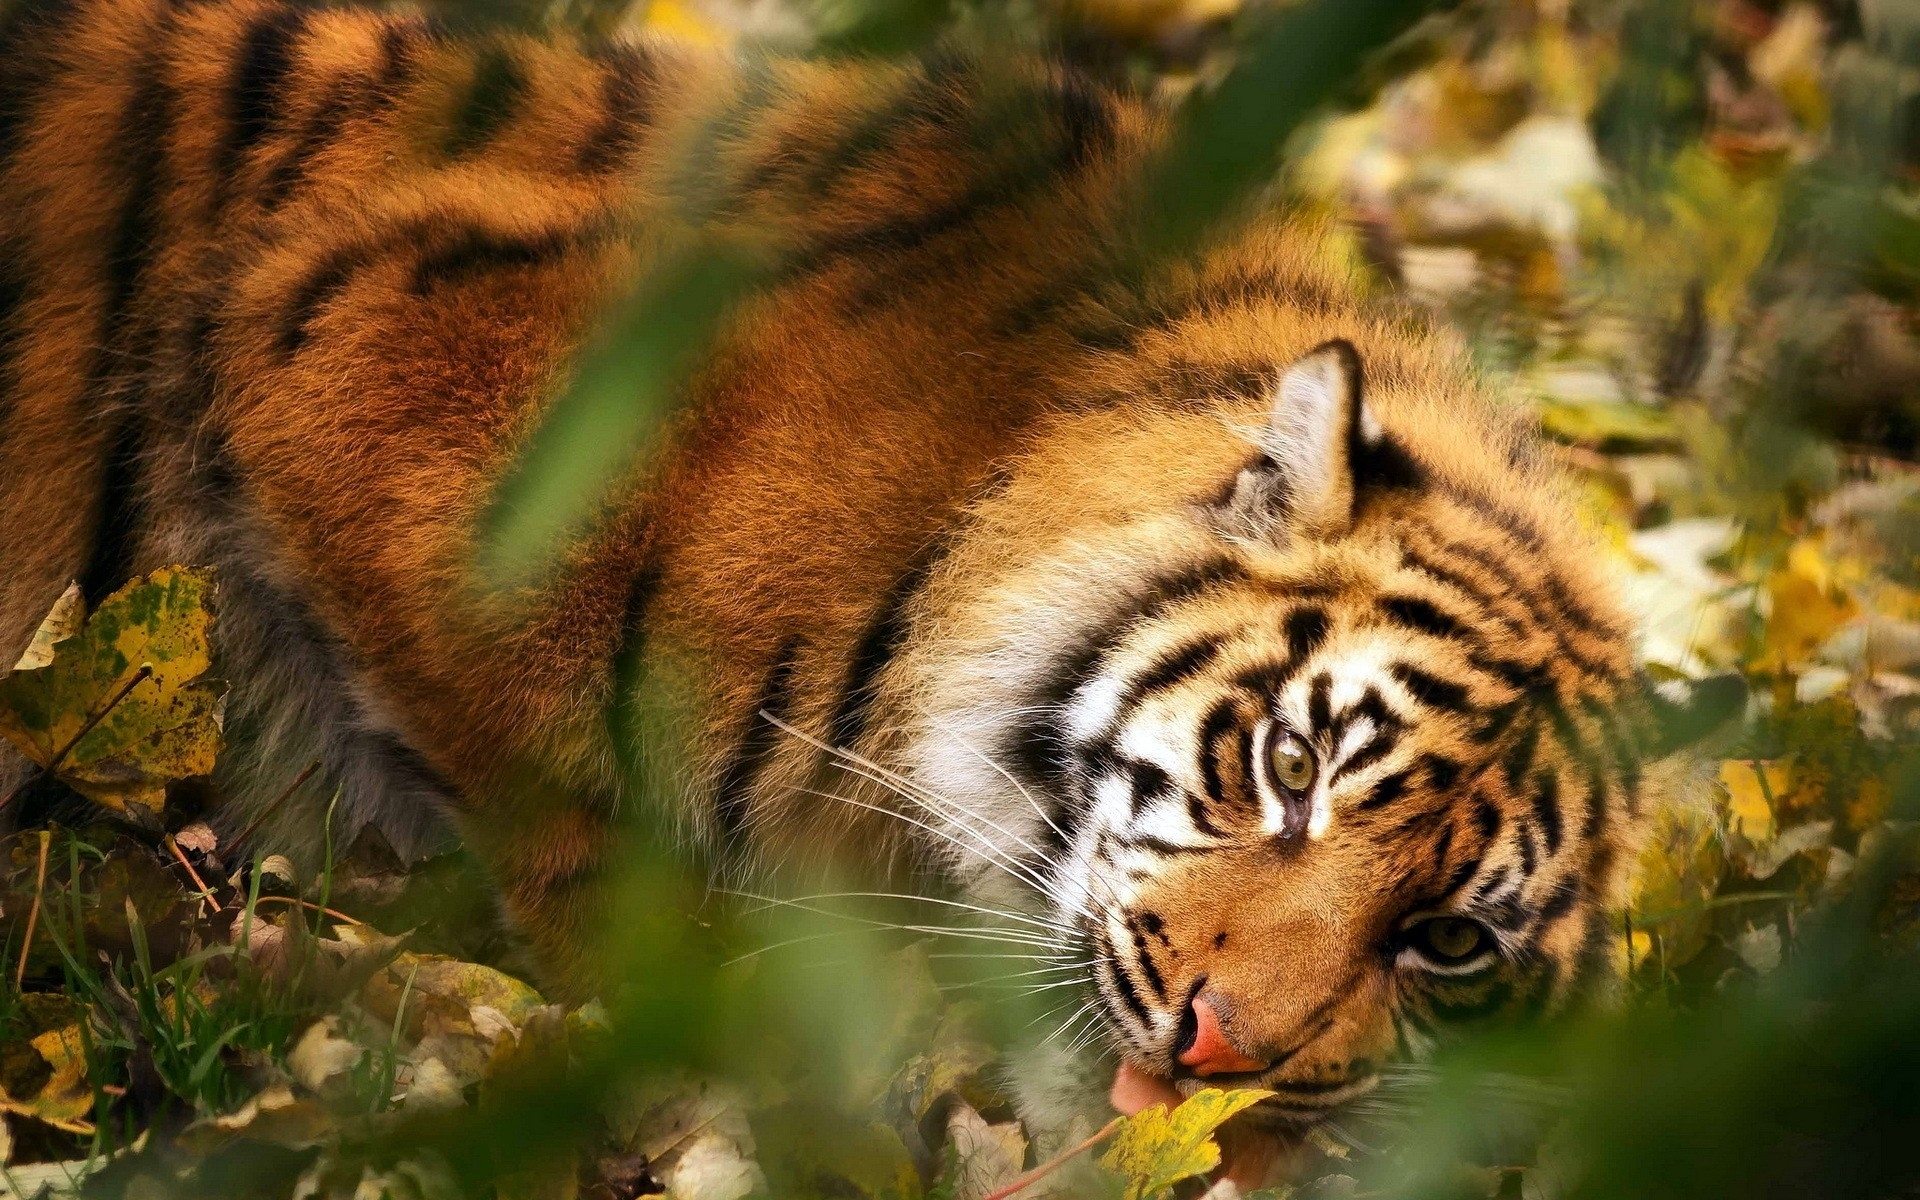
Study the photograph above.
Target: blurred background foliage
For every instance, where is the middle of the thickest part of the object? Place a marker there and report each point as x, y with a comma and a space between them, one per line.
1685, 234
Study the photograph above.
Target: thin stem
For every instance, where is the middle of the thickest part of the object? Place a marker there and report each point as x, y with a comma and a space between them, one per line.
335, 913
1051, 1165
274, 807
53, 764
206, 893
33, 914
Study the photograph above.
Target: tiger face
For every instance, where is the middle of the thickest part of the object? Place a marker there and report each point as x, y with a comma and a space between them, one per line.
1354, 767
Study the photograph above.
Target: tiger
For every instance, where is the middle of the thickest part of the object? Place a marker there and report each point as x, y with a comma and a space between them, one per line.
1221, 619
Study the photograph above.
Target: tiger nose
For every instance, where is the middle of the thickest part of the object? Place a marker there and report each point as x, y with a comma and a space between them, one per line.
1208, 1051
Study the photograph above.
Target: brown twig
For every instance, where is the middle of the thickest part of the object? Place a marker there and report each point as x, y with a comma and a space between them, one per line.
33, 913
311, 906
1050, 1166
206, 893
270, 809
53, 764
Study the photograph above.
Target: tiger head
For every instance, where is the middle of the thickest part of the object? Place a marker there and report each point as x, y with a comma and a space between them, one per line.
1353, 761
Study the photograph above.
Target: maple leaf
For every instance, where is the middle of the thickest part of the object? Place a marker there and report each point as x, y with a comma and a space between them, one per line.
1156, 1149
117, 707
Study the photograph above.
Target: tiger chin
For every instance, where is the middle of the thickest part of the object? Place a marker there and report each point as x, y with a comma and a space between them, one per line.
1219, 622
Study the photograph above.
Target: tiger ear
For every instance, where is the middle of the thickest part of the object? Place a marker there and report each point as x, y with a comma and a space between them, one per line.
1688, 711
1317, 427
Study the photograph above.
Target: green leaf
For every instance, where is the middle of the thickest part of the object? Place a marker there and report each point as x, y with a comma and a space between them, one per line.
628, 385
1156, 1149
149, 729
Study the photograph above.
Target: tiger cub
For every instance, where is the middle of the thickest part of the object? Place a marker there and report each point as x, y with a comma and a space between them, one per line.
1216, 619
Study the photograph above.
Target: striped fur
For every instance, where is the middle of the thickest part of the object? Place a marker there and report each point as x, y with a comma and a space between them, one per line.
284, 289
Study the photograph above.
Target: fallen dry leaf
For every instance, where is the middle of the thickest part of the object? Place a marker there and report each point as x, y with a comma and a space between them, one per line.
164, 726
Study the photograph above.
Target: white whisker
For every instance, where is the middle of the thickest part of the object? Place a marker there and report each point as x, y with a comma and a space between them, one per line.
1015, 871
1016, 937
981, 909
909, 790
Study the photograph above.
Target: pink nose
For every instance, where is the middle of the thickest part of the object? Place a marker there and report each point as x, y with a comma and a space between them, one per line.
1211, 1053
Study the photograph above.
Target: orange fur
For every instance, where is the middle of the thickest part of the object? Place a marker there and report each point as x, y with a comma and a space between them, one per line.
286, 291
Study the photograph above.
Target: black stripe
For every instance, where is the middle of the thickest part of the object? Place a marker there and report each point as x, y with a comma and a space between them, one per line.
1038, 743
327, 279
320, 129
1086, 118
472, 252
110, 561
255, 100
1559, 904
1145, 956
1220, 720
1306, 629
1170, 668
116, 384
1500, 880
1014, 167
733, 797
13, 298
1542, 592
1518, 760
1385, 790
945, 81
1426, 617
1160, 846
626, 100
625, 709
490, 102
1486, 816
29, 30
885, 634
1596, 805
1460, 874
1496, 998
1147, 783
1515, 581
1307, 1087
1319, 715
1526, 678
1371, 706
1529, 855
1442, 772
1377, 748
347, 100
1546, 806
1122, 983
1430, 689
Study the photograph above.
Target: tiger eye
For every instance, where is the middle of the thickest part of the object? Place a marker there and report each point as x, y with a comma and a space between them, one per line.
1452, 939
1292, 763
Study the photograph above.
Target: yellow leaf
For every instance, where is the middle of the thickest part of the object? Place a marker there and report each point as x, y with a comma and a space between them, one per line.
43, 1074
1808, 605
62, 622
1156, 1149
120, 709
1869, 804
676, 19
1678, 872
1751, 787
